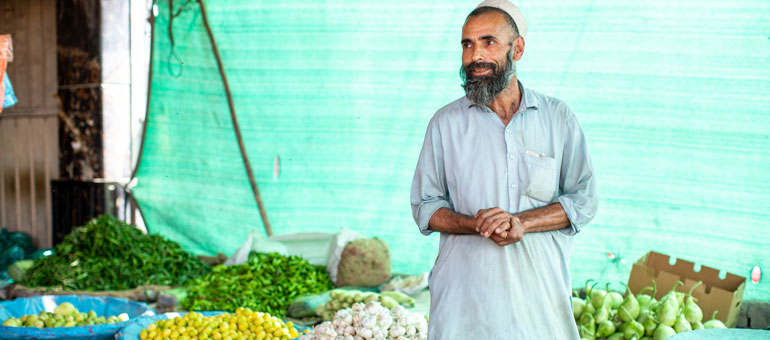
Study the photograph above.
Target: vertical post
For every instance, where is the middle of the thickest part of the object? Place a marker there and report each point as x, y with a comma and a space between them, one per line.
31, 157
47, 242
231, 104
3, 159
16, 176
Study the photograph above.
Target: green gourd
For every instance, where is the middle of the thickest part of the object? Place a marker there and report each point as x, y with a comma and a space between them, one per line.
605, 328
667, 312
612, 299
681, 324
633, 329
649, 326
714, 322
597, 296
663, 332
578, 306
644, 299
629, 308
601, 314
692, 311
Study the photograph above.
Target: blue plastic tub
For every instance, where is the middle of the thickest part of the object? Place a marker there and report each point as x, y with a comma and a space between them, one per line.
103, 306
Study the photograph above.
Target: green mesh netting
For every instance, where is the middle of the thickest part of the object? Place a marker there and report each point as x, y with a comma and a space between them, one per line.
674, 98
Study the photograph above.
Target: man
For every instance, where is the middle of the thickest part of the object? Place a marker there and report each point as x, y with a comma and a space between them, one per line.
504, 175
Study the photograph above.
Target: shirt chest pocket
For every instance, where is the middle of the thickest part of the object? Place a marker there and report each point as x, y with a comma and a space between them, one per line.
541, 180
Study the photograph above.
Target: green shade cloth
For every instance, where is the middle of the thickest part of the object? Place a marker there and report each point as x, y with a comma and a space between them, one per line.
673, 97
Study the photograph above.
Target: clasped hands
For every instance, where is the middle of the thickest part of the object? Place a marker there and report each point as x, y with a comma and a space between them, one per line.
499, 226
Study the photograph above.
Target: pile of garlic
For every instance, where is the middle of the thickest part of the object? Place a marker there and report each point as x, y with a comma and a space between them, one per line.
371, 321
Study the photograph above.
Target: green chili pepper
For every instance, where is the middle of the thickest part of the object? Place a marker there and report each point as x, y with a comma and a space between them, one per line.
266, 283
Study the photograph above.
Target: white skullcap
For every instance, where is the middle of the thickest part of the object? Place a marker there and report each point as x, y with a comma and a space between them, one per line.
507, 7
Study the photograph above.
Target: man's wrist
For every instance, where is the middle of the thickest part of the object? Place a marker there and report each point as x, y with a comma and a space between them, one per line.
525, 223
469, 223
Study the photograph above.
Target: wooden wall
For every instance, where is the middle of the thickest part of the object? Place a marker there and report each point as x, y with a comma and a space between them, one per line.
29, 131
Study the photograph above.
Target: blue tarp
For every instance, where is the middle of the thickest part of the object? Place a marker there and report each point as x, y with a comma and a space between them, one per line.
103, 306
723, 334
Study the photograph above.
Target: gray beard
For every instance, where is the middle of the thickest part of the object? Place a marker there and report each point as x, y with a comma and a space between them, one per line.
483, 89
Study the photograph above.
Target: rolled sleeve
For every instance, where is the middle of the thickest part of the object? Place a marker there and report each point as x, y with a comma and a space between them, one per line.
429, 192
577, 182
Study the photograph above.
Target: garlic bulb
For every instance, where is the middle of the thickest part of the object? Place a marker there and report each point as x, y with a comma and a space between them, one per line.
371, 322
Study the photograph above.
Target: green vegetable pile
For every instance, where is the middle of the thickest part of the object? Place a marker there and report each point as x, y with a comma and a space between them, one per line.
107, 254
605, 314
267, 282
14, 246
341, 299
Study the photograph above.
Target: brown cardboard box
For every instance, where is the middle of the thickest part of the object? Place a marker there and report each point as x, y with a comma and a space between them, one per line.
714, 294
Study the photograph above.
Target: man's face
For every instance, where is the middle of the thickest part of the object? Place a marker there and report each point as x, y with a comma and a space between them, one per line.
488, 58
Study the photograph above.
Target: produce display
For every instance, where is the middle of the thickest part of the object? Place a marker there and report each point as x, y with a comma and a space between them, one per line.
341, 299
243, 324
64, 315
14, 246
107, 254
605, 314
267, 282
18, 270
371, 321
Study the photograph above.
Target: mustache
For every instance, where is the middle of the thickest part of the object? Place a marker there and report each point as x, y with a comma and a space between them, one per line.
477, 65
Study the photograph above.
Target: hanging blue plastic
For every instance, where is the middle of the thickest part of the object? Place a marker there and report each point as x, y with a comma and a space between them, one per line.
9, 99
103, 306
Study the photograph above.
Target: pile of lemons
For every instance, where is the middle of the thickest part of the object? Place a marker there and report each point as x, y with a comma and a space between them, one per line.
242, 325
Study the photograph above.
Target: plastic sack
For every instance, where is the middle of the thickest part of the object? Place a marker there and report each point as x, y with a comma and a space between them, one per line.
11, 255
336, 247
18, 238
258, 243
408, 285
313, 247
6, 55
365, 262
133, 328
6, 47
101, 305
305, 306
14, 246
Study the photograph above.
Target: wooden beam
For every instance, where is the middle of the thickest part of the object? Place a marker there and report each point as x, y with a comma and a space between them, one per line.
48, 38
35, 76
31, 157
16, 179
3, 159
47, 240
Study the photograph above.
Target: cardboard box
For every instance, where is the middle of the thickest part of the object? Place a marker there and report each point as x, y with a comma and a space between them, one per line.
724, 295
